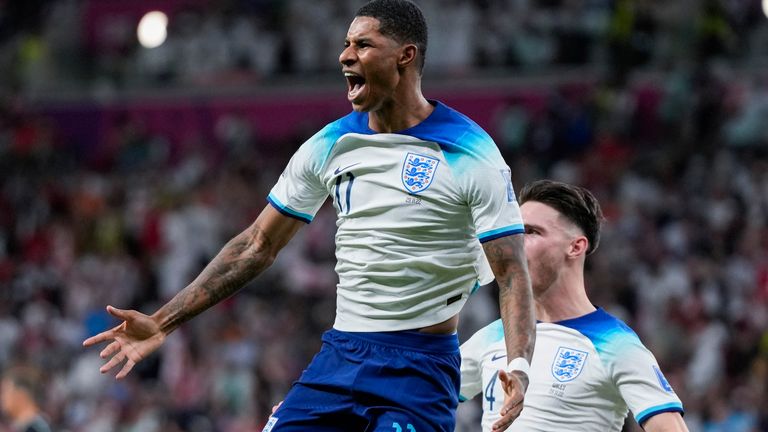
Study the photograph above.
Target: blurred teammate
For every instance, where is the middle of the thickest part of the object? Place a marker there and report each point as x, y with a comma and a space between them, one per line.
20, 393
588, 367
417, 189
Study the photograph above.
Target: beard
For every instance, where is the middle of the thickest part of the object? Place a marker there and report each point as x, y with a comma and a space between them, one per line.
543, 275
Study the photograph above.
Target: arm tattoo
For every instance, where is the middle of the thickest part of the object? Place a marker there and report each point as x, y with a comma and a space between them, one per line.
507, 258
241, 259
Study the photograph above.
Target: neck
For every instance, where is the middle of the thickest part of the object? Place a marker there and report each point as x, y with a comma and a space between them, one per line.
407, 108
564, 299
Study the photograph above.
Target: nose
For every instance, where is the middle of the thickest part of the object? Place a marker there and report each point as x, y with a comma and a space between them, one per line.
347, 56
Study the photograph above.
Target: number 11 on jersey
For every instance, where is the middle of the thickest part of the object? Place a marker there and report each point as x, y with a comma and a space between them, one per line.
347, 194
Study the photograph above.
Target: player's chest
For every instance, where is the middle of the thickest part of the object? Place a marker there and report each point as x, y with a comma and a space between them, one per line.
566, 368
409, 177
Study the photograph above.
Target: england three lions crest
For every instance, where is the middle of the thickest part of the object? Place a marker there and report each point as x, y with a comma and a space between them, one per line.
568, 364
418, 172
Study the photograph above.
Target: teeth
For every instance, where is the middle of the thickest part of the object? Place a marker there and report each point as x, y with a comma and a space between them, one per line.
350, 74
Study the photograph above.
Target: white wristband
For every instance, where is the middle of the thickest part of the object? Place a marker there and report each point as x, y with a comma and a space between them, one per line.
519, 364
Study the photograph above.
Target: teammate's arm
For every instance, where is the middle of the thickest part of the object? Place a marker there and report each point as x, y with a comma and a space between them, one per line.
239, 261
665, 422
506, 256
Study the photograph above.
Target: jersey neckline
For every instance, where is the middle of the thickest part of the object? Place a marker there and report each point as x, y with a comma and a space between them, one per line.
435, 115
597, 315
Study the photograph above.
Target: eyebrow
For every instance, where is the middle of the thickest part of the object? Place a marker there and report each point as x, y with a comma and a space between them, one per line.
358, 39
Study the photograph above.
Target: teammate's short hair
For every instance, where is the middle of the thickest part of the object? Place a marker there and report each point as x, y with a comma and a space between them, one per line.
576, 203
400, 20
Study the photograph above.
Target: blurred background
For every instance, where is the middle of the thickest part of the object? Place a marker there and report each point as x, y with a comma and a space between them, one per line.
133, 145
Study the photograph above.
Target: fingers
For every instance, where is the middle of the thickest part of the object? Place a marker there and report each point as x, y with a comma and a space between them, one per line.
504, 422
119, 351
109, 334
510, 383
513, 401
513, 409
114, 361
129, 364
110, 349
501, 424
512, 386
504, 377
99, 338
124, 315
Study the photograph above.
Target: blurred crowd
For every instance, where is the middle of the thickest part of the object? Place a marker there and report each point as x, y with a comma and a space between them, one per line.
680, 164
684, 260
90, 46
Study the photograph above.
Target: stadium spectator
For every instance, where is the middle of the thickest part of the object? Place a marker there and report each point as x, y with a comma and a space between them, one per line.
21, 392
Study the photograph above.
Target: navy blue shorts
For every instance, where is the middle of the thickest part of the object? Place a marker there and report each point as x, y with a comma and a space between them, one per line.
402, 381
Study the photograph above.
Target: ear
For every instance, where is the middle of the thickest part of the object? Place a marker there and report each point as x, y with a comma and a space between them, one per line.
408, 55
578, 247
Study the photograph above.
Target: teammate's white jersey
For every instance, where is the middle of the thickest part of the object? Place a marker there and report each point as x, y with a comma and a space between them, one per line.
413, 208
586, 373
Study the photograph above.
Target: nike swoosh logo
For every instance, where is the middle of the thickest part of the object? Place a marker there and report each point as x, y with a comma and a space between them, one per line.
494, 357
338, 170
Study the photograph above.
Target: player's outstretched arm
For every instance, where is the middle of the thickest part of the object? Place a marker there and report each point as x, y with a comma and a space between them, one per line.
666, 422
242, 258
507, 258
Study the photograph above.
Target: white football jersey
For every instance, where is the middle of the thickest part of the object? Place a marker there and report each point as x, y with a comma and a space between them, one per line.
586, 374
413, 208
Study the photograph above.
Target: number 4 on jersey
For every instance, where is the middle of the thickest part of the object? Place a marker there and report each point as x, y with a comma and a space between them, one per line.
489, 390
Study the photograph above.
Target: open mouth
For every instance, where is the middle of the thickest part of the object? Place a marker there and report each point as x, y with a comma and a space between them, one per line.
355, 84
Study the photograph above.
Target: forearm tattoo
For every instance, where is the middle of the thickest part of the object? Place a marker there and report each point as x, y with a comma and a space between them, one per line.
241, 259
507, 258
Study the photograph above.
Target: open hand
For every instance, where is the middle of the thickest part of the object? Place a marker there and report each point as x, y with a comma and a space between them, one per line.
514, 385
132, 341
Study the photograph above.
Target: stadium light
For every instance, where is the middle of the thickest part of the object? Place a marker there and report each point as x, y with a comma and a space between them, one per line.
765, 8
153, 29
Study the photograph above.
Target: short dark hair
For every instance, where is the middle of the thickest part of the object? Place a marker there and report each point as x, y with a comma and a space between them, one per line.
401, 20
576, 203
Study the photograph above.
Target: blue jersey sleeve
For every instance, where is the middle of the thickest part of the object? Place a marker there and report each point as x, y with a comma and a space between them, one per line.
300, 192
632, 368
